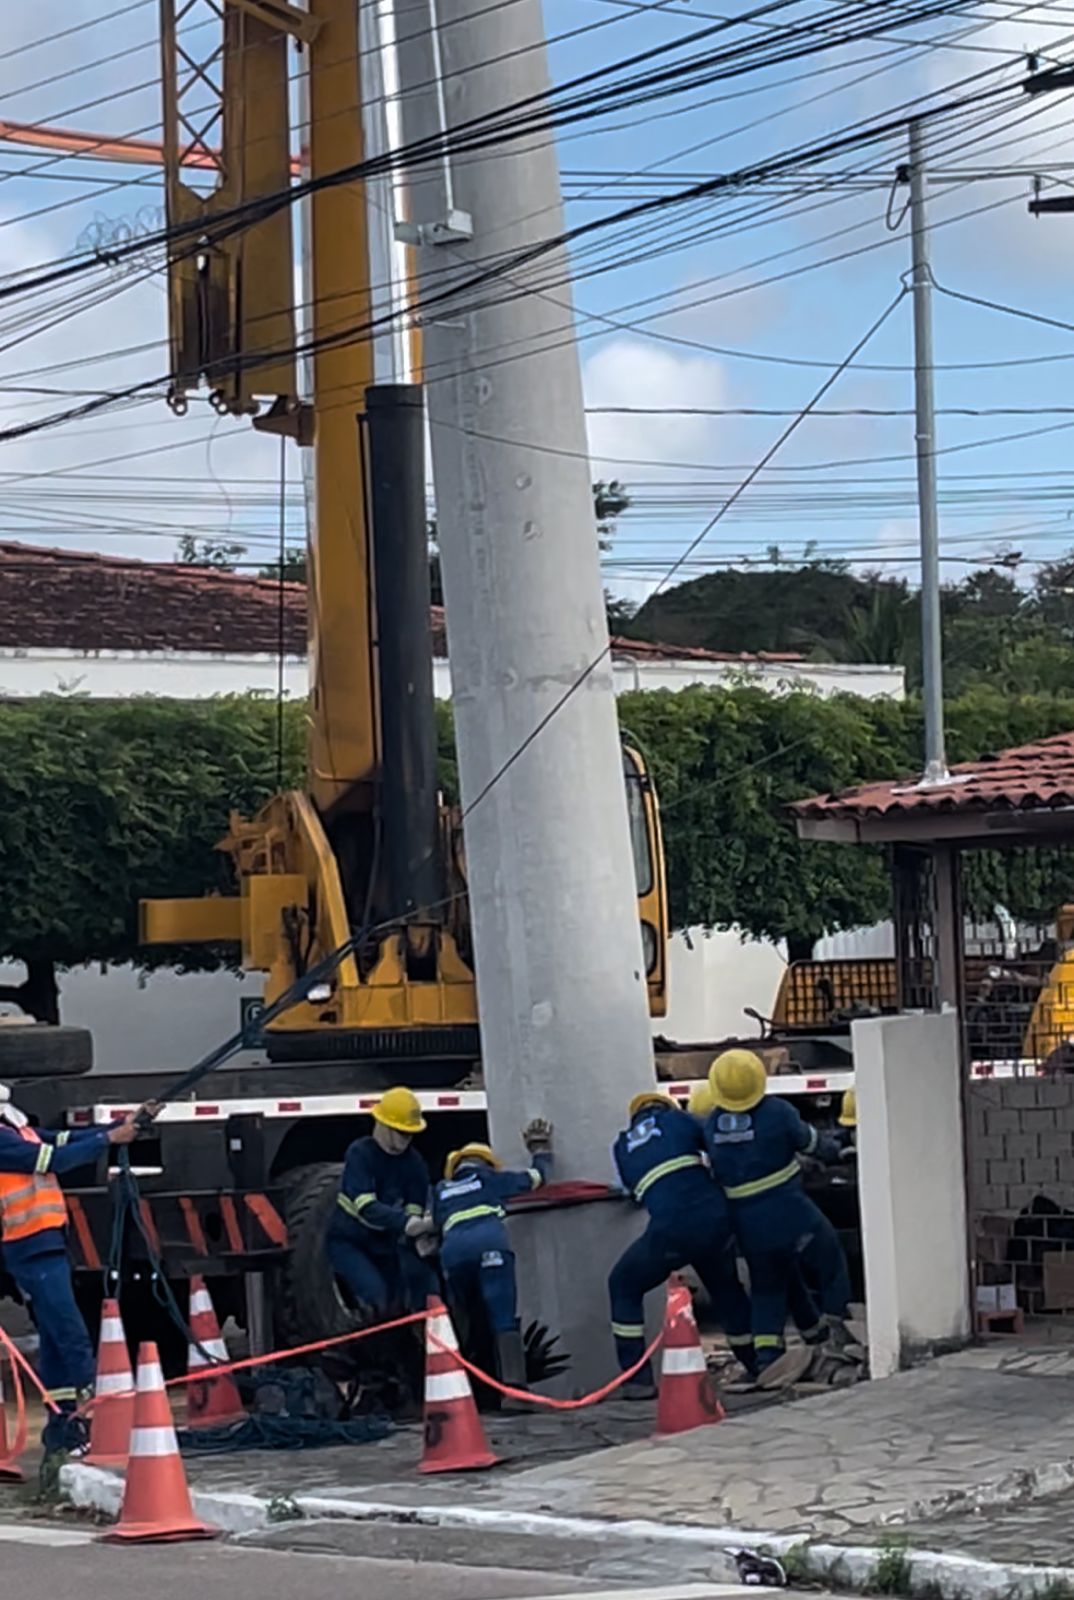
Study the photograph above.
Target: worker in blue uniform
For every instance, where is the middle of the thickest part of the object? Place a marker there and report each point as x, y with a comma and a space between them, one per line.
660, 1161
33, 1224
380, 1210
753, 1142
816, 1266
475, 1252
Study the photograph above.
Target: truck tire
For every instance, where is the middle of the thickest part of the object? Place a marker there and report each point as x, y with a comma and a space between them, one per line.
43, 1050
309, 1305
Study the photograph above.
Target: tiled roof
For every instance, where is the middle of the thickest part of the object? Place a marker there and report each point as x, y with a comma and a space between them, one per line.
1031, 777
70, 600
75, 600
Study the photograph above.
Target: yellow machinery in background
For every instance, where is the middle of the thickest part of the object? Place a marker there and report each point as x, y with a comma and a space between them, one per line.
368, 844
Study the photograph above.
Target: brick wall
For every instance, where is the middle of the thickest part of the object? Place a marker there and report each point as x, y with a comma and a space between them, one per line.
1021, 1143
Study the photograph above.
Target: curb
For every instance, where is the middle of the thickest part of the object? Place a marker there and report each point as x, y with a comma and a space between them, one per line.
892, 1569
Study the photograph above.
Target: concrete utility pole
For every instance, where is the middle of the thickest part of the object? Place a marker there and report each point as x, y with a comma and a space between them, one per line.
564, 1015
925, 429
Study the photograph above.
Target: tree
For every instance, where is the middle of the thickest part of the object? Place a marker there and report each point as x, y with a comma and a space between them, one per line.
191, 552
293, 566
103, 804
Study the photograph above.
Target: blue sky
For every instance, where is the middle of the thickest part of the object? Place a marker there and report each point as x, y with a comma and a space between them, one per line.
740, 292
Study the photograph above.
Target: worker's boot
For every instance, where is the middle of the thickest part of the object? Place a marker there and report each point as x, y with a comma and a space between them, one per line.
511, 1365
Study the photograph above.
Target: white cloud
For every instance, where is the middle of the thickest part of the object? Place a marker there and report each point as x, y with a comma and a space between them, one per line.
631, 372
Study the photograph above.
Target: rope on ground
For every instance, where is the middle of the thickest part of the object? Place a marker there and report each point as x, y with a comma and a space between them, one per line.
283, 1433
220, 1369
545, 1399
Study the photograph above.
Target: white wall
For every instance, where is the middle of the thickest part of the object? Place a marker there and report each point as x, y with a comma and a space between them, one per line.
195, 675
147, 1021
857, 943
911, 1185
166, 1019
712, 977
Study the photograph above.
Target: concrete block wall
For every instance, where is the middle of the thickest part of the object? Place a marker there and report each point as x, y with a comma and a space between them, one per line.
1021, 1143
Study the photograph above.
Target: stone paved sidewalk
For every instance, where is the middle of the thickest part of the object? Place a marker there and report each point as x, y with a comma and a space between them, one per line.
992, 1426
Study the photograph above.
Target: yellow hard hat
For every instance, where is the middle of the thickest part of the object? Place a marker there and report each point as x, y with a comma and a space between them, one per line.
701, 1101
479, 1152
399, 1109
650, 1097
737, 1079
848, 1111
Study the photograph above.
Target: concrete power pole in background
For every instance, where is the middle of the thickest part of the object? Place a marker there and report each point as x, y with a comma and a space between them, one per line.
925, 430
561, 981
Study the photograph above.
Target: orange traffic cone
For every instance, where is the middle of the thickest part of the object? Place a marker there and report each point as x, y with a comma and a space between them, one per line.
156, 1501
686, 1397
454, 1438
210, 1402
113, 1410
10, 1471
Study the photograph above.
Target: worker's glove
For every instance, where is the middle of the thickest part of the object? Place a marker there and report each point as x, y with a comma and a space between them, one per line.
416, 1227
537, 1136
427, 1245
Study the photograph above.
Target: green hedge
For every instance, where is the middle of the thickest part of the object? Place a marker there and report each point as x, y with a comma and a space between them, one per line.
104, 803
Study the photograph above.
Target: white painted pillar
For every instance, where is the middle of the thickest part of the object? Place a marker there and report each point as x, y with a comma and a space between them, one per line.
911, 1183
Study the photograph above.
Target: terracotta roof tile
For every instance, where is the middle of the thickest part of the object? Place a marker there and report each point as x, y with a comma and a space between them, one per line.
71, 600
1031, 777
77, 600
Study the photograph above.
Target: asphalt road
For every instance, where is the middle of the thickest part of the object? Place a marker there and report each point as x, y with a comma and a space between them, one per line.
41, 1559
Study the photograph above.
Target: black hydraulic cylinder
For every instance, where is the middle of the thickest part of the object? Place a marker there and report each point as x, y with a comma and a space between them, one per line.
409, 845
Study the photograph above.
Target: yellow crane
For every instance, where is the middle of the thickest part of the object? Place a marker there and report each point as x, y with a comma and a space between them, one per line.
367, 843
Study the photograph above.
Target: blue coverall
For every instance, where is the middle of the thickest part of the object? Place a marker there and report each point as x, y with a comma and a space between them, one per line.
475, 1252
660, 1162
754, 1158
366, 1239
42, 1274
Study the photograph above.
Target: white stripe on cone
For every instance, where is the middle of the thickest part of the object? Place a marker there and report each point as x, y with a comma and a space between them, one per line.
114, 1383
150, 1375
440, 1386
112, 1331
440, 1328
200, 1303
215, 1350
153, 1442
677, 1363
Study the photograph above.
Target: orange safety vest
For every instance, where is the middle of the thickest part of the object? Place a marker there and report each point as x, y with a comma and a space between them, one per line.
30, 1202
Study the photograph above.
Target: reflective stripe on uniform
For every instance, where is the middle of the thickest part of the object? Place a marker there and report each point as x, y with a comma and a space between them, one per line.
767, 1341
62, 1139
739, 1338
44, 1159
628, 1330
471, 1215
677, 1363
811, 1144
772, 1180
535, 1178
677, 1164
355, 1207
414, 1211
60, 1395
31, 1202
